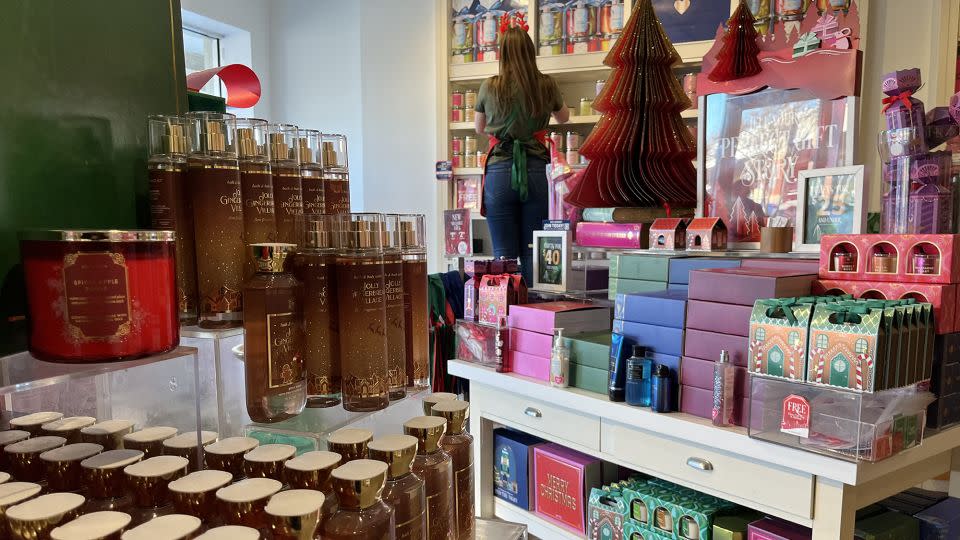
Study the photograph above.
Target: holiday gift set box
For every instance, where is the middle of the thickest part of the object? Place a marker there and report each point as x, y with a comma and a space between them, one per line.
808, 266
573, 317
632, 286
662, 308
513, 465
644, 267
477, 343
658, 339
945, 379
779, 329
698, 373
613, 235
699, 402
606, 515
529, 365
943, 298
941, 521
590, 349
776, 529
918, 258
707, 346
944, 412
589, 378
730, 319
888, 526
529, 342
744, 286
563, 480
632, 531
672, 511
680, 269
497, 293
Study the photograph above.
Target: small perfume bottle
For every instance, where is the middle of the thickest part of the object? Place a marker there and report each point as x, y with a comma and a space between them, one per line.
723, 373
147, 481
639, 372
244, 502
415, 302
12, 494
104, 479
62, 465
185, 445
227, 454
393, 293
435, 466
559, 361
661, 389
404, 491
149, 440
362, 515
434, 398
311, 172
459, 444
287, 186
24, 457
109, 434
230, 532
68, 428
256, 181
294, 514
169, 527
266, 460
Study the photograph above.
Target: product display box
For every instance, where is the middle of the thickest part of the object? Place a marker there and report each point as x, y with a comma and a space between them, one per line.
670, 510
573, 317
845, 348
645, 267
591, 349
776, 529
707, 346
941, 520
512, 466
779, 330
946, 365
528, 365
471, 295
633, 286
916, 258
662, 308
497, 293
681, 267
699, 374
613, 235
730, 319
699, 402
658, 339
942, 297
563, 479
606, 516
529, 342
477, 343
668, 234
744, 286
589, 378
734, 527
944, 412
888, 526
633, 531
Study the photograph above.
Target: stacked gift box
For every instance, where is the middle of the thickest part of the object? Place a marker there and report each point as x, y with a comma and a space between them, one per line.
945, 382
590, 361
648, 273
503, 288
718, 318
512, 465
531, 328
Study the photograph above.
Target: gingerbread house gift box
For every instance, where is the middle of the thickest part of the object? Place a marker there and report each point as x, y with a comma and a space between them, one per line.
706, 234
668, 234
778, 338
845, 342
943, 298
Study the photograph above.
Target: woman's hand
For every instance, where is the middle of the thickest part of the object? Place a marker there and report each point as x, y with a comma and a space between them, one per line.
479, 122
562, 115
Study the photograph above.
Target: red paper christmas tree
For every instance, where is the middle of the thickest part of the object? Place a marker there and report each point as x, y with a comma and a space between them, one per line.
738, 57
640, 151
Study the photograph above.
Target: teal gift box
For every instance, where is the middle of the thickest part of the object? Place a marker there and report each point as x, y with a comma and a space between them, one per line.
606, 513
590, 349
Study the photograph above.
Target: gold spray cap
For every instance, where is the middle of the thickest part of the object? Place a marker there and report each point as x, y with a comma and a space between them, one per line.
212, 134
358, 484
271, 257
308, 147
412, 232
282, 139
252, 138
168, 135
315, 231
359, 231
428, 430
456, 413
334, 152
391, 232
397, 451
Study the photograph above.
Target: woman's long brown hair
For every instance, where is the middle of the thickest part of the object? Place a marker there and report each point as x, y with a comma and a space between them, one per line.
519, 75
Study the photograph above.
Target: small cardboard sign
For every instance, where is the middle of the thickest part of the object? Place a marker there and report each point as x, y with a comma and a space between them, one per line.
796, 416
444, 170
457, 233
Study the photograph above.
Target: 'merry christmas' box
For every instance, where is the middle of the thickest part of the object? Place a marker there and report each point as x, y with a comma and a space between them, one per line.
563, 479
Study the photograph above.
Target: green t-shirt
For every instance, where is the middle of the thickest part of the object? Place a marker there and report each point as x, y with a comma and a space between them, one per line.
521, 127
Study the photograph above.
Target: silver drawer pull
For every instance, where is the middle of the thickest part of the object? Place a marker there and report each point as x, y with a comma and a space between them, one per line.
700, 464
533, 412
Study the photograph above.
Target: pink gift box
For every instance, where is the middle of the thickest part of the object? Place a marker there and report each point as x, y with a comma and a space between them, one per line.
699, 402
943, 297
808, 266
613, 235
529, 342
573, 317
707, 345
715, 317
946, 248
744, 286
699, 374
563, 479
529, 365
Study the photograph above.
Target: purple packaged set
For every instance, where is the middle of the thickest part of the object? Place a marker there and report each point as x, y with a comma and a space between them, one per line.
902, 110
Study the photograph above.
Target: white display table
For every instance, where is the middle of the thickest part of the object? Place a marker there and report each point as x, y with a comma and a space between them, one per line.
802, 487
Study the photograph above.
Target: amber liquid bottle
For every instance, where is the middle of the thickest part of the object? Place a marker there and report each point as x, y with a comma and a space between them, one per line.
287, 187
313, 265
362, 514
311, 172
171, 207
214, 181
459, 444
435, 466
393, 283
336, 173
404, 491
273, 338
256, 181
361, 305
415, 302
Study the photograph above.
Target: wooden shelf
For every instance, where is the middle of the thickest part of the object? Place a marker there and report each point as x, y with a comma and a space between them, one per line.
578, 120
467, 171
462, 126
536, 525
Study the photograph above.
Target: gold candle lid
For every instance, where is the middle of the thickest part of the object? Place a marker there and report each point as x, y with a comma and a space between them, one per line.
310, 470
148, 479
428, 430
69, 426
433, 399
93, 526
351, 443
37, 517
13, 436
230, 532
171, 527
62, 465
108, 433
359, 483
249, 490
33, 422
188, 440
294, 513
103, 473
455, 412
17, 492
397, 451
266, 461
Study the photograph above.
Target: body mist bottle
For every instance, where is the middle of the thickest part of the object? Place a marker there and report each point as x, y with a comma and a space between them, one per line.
393, 293
362, 514
723, 374
435, 466
559, 361
459, 444
214, 182
313, 265
416, 316
287, 187
404, 491
336, 173
362, 314
311, 172
256, 181
170, 204
273, 339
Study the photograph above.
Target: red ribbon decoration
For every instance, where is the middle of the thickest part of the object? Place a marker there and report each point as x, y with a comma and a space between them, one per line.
242, 84
903, 97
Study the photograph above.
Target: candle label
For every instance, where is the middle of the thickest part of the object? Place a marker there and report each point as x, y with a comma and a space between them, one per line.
284, 358
97, 297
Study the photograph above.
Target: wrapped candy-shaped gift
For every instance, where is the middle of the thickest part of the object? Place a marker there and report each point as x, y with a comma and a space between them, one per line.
930, 208
905, 113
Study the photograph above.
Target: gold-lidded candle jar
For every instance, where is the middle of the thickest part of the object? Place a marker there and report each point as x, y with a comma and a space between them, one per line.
62, 465
884, 263
7, 438
230, 532
844, 262
925, 263
93, 526
294, 514
358, 485
148, 480
169, 527
149, 440
404, 491
266, 461
185, 445
24, 456
105, 481
196, 493
11, 494
243, 503
311, 470
227, 454
108, 434
68, 428
350, 443
35, 518
34, 422
433, 399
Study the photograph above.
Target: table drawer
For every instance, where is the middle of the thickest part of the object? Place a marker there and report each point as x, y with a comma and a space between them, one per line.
568, 424
783, 489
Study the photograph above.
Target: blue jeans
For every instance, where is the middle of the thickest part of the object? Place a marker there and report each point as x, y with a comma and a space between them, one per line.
511, 220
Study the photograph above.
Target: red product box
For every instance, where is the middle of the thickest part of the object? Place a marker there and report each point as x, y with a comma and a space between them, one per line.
497, 292
707, 345
529, 365
573, 317
906, 258
699, 374
730, 319
529, 342
699, 402
563, 479
744, 286
943, 297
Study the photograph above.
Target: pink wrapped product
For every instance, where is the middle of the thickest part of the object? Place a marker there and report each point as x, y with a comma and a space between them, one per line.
613, 235
699, 374
529, 342
730, 319
699, 402
707, 346
744, 286
573, 317
529, 365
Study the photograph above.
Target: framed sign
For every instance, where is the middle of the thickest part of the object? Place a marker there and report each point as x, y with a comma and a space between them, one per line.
753, 148
457, 233
551, 260
829, 201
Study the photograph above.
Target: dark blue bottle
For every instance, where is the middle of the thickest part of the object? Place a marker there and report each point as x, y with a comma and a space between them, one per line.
639, 370
661, 389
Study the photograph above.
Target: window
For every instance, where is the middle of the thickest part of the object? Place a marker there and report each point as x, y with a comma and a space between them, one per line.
860, 346
793, 338
760, 335
200, 52
822, 341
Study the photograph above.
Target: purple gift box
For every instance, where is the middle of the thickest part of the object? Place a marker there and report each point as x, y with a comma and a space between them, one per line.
715, 317
809, 266
930, 210
699, 374
680, 269
941, 520
744, 286
707, 345
659, 339
662, 308
940, 126
900, 108
699, 402
770, 528
573, 317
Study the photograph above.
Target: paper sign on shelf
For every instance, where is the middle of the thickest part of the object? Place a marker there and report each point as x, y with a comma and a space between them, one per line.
457, 233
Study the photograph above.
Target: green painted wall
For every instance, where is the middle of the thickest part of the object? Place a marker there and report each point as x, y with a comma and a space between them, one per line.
78, 80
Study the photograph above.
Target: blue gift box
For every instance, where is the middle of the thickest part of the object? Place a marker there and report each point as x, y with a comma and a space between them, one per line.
657, 339
513, 466
941, 521
661, 308
678, 287
680, 268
